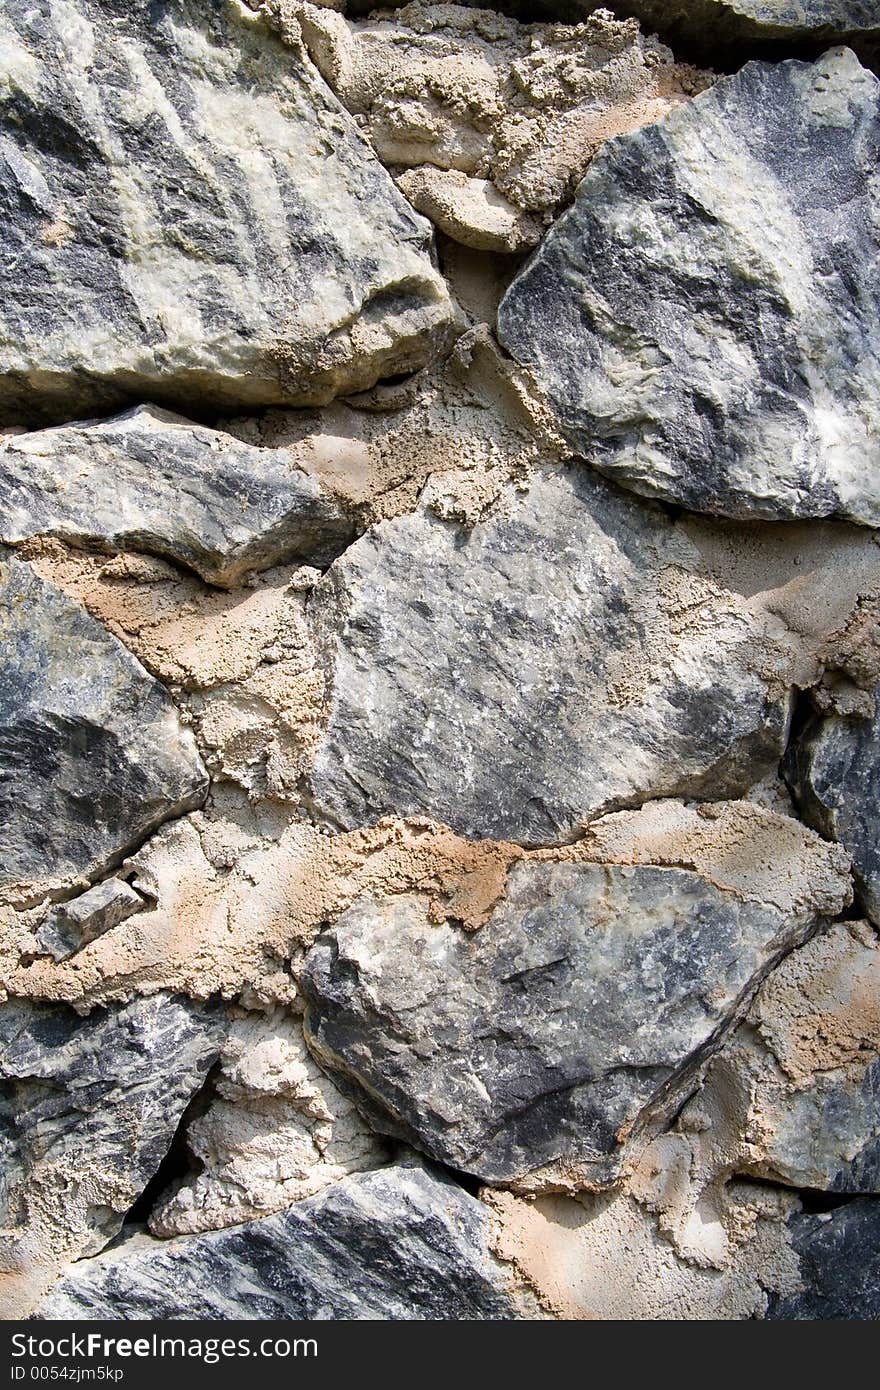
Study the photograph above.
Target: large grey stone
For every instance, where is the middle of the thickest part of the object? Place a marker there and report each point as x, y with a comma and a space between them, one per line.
839, 1256
704, 318
92, 754
577, 1014
400, 1243
189, 214
151, 481
574, 652
833, 768
88, 1109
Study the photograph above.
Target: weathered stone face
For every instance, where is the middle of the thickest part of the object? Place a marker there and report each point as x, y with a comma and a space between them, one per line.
189, 215
402, 1243
151, 481
541, 1041
733, 26
88, 1109
834, 772
574, 652
839, 1256
92, 753
793, 1097
704, 318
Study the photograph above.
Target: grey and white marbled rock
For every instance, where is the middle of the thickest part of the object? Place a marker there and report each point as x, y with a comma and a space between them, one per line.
92, 753
833, 769
704, 318
148, 480
88, 1109
575, 652
577, 1013
400, 1243
839, 1255
190, 214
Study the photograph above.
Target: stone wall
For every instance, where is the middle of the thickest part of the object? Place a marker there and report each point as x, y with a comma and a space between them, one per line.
440, 617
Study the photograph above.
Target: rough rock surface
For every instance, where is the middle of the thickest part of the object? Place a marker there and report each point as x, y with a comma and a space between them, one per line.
834, 771
92, 754
152, 481
193, 217
74, 924
276, 1130
88, 1109
703, 320
495, 121
582, 1006
839, 1257
735, 26
792, 1097
574, 652
401, 1243
795, 1096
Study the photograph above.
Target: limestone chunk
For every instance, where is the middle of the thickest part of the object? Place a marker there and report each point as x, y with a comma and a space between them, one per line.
704, 318
573, 652
88, 1109
92, 753
189, 215
75, 924
402, 1243
574, 1019
151, 481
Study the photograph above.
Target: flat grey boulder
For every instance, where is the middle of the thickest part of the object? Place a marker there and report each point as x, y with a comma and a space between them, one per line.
188, 214
833, 769
88, 1109
704, 319
151, 481
401, 1243
534, 1048
575, 652
839, 1256
92, 753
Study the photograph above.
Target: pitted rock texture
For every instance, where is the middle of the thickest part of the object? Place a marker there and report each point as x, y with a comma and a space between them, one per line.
190, 214
88, 1109
92, 753
834, 771
401, 1243
491, 123
583, 1004
151, 481
704, 319
839, 1257
574, 652
276, 1130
